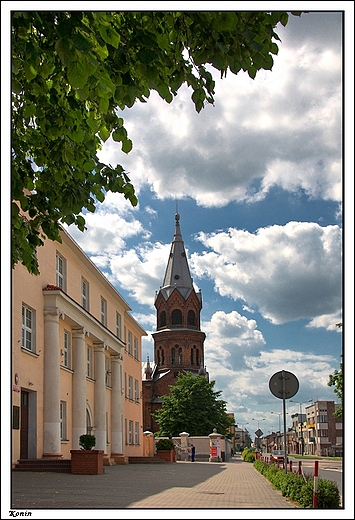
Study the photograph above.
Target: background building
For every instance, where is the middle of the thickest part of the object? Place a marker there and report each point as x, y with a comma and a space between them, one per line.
315, 432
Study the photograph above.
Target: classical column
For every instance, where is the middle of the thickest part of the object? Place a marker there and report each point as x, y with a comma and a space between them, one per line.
51, 390
79, 386
117, 409
100, 397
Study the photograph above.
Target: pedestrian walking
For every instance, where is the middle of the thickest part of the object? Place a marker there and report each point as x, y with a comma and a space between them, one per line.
193, 449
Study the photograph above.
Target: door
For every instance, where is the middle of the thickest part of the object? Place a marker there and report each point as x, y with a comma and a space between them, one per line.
24, 425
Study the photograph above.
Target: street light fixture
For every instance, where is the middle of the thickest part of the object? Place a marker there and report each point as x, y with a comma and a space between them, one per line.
301, 403
279, 414
258, 421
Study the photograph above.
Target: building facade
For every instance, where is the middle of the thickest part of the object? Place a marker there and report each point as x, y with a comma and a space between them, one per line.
324, 432
178, 340
315, 432
76, 359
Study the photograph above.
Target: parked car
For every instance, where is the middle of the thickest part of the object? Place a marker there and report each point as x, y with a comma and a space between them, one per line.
278, 456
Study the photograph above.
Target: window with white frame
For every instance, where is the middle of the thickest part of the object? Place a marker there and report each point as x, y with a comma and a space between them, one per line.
322, 418
60, 271
135, 348
125, 432
85, 293
125, 336
125, 385
118, 324
103, 311
89, 361
67, 349
130, 388
107, 425
28, 328
136, 391
130, 432
130, 348
136, 433
63, 420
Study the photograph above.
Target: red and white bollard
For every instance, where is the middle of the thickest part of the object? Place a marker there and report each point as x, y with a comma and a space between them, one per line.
315, 485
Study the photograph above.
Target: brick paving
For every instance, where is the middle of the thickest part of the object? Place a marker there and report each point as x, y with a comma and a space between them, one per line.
182, 485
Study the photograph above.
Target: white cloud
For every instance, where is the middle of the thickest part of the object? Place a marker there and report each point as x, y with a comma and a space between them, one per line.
289, 272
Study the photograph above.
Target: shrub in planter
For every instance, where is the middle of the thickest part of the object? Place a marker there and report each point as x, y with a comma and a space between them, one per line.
87, 442
164, 444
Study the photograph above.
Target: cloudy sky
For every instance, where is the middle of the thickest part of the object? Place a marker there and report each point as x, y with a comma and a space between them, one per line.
257, 180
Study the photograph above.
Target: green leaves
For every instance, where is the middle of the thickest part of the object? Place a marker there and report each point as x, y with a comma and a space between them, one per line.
73, 73
193, 406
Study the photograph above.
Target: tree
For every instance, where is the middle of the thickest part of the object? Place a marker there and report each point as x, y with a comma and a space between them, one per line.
192, 406
74, 73
336, 380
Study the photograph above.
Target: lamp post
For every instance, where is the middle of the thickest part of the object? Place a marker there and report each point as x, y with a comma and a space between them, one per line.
301, 403
258, 421
279, 414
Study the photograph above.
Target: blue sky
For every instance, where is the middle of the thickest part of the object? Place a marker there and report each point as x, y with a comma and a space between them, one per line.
258, 179
258, 183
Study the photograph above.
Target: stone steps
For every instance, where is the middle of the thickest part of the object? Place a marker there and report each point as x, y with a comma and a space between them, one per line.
41, 465
146, 460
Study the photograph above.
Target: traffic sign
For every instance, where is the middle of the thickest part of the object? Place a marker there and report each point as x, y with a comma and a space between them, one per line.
283, 384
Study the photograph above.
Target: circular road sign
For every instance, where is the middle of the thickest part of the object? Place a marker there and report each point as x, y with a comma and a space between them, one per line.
283, 381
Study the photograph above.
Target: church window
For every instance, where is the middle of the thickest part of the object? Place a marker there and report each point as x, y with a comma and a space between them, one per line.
191, 318
176, 317
162, 319
180, 356
173, 353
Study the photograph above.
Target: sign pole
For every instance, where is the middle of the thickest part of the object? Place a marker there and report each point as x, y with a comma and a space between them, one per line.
284, 414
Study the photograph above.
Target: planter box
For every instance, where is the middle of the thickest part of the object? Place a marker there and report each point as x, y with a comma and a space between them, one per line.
168, 455
87, 462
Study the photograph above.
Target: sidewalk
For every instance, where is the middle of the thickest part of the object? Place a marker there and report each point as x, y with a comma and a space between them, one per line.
182, 485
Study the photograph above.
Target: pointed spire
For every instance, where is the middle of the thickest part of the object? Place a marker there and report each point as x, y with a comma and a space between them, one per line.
177, 274
148, 369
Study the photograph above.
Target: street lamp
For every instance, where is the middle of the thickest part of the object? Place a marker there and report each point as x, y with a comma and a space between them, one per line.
279, 414
304, 402
258, 421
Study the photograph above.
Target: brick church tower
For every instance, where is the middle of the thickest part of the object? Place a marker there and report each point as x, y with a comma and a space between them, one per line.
178, 340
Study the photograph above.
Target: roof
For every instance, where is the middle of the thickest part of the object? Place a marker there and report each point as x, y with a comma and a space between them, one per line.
177, 274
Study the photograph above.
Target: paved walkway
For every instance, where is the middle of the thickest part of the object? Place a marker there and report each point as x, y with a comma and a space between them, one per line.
181, 485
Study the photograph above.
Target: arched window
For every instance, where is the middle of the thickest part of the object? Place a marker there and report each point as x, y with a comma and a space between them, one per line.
197, 357
162, 319
180, 356
176, 317
158, 357
192, 357
191, 318
162, 357
173, 353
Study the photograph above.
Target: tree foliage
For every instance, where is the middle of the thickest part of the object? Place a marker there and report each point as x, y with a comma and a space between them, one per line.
74, 73
192, 406
336, 380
